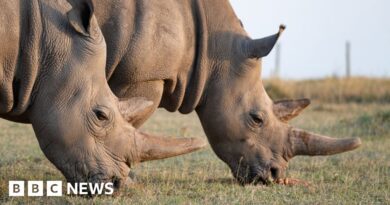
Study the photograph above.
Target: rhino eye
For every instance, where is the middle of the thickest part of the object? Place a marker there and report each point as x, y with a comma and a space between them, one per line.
257, 119
101, 115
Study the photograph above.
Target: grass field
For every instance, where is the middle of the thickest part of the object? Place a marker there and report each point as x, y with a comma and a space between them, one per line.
361, 176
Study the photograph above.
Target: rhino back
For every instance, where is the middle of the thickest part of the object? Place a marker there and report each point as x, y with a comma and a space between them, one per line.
151, 48
20, 31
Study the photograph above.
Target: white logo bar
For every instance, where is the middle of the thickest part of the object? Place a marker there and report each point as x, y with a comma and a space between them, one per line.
54, 188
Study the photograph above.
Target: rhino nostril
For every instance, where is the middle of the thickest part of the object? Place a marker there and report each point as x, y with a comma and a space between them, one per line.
116, 182
274, 172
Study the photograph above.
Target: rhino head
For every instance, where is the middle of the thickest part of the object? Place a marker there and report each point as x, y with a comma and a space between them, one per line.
247, 130
81, 126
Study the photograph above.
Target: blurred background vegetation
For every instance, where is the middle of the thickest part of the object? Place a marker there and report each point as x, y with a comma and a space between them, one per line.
332, 89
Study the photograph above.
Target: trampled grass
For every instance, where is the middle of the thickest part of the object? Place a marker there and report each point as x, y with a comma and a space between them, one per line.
361, 176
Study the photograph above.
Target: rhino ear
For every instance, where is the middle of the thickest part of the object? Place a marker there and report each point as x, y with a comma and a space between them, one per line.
285, 110
81, 18
262, 47
135, 109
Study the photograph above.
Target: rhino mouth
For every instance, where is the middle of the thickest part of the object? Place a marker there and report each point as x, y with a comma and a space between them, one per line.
116, 181
256, 175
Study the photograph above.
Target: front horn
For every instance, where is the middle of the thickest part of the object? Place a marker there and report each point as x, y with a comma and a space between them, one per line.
305, 143
262, 47
150, 147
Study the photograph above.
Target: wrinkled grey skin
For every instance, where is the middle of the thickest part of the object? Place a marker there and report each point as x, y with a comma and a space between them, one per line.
52, 75
195, 55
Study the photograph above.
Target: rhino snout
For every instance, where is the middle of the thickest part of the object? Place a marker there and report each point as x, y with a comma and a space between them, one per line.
258, 174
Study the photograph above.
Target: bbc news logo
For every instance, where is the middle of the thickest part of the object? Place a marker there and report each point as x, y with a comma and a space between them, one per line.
54, 188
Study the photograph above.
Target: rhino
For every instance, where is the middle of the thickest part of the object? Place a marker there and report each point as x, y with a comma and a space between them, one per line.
52, 75
194, 55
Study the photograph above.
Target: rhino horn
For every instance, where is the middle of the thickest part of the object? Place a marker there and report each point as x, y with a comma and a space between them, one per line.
135, 108
150, 147
305, 143
259, 48
285, 110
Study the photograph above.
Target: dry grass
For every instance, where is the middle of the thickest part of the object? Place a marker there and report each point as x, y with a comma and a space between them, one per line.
361, 176
332, 90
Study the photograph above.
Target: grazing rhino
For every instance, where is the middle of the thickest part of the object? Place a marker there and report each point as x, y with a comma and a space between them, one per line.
52, 75
187, 55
